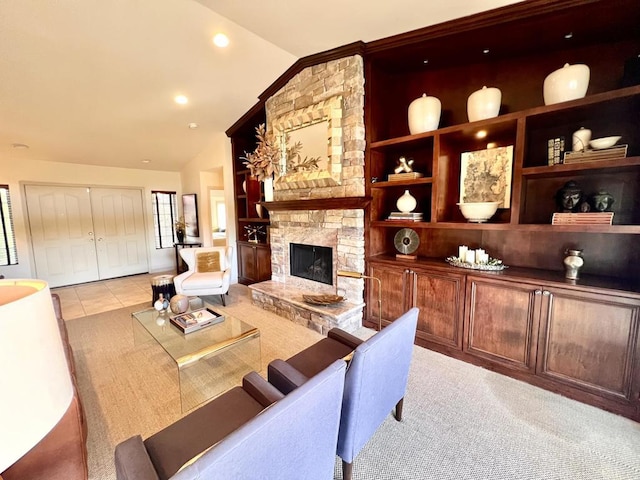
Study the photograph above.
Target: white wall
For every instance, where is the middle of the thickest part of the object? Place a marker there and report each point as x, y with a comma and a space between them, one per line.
17, 173
202, 173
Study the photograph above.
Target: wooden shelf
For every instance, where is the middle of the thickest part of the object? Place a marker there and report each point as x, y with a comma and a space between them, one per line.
615, 165
403, 183
534, 227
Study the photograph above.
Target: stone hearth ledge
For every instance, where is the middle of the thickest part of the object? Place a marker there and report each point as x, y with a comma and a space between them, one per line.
286, 300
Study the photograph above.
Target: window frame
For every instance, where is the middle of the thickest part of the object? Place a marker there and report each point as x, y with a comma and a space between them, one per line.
7, 232
159, 227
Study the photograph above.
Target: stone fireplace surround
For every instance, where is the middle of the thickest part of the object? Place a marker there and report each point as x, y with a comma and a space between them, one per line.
331, 216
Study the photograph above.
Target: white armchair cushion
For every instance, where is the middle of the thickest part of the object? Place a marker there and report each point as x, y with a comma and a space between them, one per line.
203, 280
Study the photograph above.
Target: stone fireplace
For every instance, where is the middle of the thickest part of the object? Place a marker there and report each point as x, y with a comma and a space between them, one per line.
322, 210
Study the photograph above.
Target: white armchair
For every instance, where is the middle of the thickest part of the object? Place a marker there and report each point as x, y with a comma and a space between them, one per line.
209, 272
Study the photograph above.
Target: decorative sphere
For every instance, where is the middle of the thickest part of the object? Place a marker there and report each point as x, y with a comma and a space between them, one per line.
179, 304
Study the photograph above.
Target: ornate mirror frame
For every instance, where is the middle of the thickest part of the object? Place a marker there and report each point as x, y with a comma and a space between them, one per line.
329, 110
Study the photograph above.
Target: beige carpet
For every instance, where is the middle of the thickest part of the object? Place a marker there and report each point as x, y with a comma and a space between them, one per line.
460, 421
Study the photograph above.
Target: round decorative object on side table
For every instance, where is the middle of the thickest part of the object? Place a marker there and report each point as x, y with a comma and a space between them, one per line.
179, 304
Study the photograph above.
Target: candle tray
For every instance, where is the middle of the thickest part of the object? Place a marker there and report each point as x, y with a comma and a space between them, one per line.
494, 264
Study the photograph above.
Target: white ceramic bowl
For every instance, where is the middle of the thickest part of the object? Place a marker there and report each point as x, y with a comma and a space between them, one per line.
478, 212
567, 83
604, 142
484, 103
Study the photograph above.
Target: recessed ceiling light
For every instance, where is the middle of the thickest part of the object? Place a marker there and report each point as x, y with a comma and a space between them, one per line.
485, 51
193, 126
492, 145
221, 40
146, 160
568, 35
20, 145
481, 134
425, 61
181, 99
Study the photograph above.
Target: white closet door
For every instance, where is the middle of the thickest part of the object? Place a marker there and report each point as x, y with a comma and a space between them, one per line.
119, 231
62, 234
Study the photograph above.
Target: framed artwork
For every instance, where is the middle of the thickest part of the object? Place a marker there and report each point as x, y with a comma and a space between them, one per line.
485, 176
190, 212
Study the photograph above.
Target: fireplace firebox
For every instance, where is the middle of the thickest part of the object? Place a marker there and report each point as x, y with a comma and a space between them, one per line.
311, 262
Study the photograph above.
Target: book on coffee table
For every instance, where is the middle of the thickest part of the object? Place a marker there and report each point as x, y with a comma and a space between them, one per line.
196, 320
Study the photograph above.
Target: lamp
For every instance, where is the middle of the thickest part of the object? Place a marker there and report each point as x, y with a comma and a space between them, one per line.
34, 377
344, 273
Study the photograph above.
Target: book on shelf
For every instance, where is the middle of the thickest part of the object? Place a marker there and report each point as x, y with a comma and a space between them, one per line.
595, 218
196, 320
397, 177
619, 151
409, 216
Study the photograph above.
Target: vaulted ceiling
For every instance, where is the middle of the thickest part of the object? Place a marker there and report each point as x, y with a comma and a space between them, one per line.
94, 81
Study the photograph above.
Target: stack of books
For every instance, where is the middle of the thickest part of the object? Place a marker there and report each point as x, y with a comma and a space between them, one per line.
406, 217
196, 320
398, 177
619, 151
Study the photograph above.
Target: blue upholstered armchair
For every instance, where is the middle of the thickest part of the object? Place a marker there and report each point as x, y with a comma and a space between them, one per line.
375, 382
249, 432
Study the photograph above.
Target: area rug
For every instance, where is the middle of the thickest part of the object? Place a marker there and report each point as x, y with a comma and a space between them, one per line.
460, 421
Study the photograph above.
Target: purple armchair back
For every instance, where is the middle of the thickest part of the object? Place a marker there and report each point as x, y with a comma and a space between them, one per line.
376, 381
293, 438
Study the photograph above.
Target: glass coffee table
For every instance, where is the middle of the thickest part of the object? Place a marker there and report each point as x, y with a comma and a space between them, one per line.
209, 361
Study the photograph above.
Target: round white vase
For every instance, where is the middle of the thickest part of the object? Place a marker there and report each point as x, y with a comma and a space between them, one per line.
406, 203
567, 83
484, 103
580, 139
424, 114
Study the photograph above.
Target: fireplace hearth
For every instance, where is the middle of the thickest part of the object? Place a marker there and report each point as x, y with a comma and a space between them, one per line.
311, 262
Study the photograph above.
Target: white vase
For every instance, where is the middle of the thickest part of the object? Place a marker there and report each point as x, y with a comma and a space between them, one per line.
406, 203
567, 83
580, 139
424, 114
484, 103
268, 189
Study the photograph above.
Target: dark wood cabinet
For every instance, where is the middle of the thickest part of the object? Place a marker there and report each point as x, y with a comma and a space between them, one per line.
254, 261
438, 295
502, 322
590, 341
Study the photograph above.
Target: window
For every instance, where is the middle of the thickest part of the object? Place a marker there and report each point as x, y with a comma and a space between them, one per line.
164, 216
8, 252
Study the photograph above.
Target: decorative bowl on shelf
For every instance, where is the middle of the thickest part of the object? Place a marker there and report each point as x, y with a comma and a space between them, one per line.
567, 83
484, 103
478, 212
604, 142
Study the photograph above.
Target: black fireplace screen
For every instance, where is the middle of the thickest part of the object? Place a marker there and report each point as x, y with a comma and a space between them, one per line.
311, 262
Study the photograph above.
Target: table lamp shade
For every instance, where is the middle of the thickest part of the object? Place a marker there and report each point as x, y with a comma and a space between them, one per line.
35, 384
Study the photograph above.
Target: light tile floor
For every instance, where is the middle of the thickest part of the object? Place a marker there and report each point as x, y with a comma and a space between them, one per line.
95, 297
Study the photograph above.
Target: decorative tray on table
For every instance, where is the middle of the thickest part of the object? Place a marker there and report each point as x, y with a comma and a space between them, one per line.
493, 265
323, 299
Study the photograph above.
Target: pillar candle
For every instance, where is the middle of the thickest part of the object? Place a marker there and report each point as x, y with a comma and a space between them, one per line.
462, 253
471, 256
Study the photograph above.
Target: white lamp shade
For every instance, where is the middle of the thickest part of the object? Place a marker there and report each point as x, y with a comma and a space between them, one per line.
35, 384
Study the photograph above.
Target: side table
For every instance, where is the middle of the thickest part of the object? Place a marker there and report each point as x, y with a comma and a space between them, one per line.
181, 266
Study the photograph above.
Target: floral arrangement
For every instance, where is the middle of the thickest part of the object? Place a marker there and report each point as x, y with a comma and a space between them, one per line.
180, 225
265, 161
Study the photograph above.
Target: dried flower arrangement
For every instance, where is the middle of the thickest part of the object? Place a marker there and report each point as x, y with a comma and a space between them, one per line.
180, 225
265, 161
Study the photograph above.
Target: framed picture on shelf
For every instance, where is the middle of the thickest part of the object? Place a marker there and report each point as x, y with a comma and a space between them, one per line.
190, 212
485, 176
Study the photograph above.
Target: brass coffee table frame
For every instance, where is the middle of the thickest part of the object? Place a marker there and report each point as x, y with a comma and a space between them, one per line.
209, 361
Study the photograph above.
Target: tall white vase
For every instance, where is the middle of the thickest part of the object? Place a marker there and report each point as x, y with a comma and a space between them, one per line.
424, 114
268, 189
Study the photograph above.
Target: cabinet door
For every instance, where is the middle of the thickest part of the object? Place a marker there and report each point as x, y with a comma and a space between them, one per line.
501, 322
395, 293
247, 271
263, 263
440, 300
590, 341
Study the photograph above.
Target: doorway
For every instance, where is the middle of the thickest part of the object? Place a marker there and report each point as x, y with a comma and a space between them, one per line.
83, 234
218, 217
